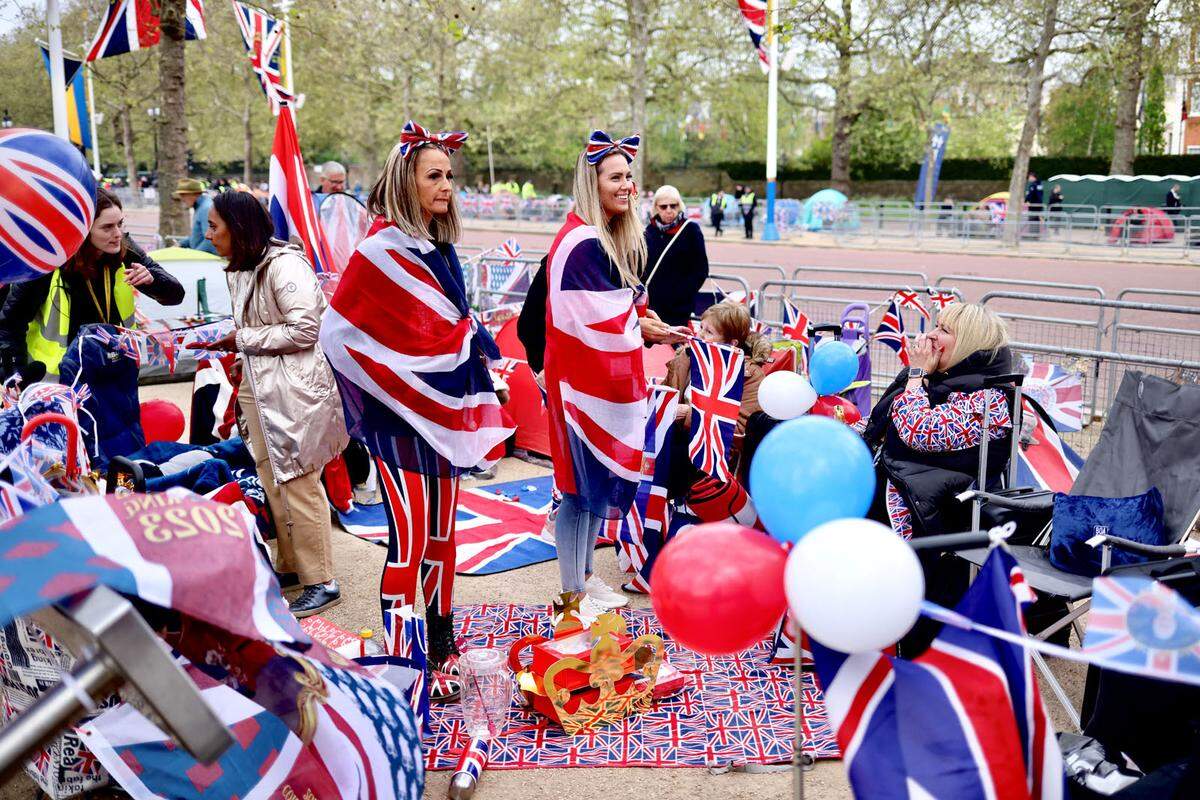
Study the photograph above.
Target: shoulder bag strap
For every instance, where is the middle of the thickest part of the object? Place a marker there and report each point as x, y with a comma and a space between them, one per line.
663, 254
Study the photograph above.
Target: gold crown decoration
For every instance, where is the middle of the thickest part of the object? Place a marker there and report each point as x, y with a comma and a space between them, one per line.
606, 668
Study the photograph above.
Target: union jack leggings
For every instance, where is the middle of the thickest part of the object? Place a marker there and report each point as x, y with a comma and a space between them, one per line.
420, 512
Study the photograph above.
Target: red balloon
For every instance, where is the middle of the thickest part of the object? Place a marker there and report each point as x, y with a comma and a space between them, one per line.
839, 408
162, 421
718, 588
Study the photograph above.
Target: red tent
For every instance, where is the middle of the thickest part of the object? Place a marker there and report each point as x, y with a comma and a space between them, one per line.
1142, 226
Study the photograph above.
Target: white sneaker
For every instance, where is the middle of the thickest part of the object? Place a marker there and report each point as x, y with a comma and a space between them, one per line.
604, 594
589, 609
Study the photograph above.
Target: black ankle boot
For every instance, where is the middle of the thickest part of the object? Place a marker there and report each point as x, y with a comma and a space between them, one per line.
444, 683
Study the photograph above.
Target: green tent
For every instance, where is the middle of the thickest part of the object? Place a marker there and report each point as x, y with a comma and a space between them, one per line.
1120, 191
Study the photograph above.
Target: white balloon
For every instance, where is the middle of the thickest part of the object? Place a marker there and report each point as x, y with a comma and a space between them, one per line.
854, 585
786, 395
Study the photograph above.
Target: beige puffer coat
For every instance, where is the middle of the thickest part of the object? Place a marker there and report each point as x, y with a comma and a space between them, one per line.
277, 308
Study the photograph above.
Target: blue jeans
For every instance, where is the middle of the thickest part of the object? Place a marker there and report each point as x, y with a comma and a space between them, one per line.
575, 534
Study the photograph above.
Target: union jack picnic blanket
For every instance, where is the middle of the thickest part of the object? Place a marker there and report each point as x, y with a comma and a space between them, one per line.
499, 526
715, 394
409, 357
595, 381
735, 709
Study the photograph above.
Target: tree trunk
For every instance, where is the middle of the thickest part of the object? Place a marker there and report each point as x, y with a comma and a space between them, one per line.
639, 43
1033, 115
843, 120
247, 145
173, 142
1130, 72
126, 115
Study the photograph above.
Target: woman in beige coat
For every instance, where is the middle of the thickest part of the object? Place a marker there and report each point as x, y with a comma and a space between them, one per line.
290, 408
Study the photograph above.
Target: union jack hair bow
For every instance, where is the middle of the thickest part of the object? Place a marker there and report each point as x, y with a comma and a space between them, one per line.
414, 136
600, 144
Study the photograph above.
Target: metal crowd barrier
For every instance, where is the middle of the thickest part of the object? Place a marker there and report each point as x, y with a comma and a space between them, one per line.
919, 277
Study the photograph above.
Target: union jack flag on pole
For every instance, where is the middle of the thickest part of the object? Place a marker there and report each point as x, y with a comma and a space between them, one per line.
263, 37
131, 25
795, 323
511, 248
715, 395
754, 15
941, 298
965, 719
292, 208
891, 331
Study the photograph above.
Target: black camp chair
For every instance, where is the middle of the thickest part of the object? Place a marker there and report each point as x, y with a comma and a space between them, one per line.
1151, 437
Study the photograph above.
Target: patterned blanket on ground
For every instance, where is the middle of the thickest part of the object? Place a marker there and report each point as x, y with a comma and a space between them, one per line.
735, 710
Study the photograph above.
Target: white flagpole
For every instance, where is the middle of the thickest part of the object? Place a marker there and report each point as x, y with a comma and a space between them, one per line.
58, 97
285, 6
770, 232
91, 98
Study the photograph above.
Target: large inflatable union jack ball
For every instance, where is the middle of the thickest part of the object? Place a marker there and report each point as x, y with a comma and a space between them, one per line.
47, 201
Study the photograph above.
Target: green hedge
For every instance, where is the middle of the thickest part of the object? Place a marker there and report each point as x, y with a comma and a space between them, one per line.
973, 168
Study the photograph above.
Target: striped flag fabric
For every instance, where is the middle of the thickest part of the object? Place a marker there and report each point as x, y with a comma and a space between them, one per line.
1058, 391
131, 25
754, 15
291, 203
262, 35
715, 395
642, 533
1046, 461
965, 719
401, 339
891, 331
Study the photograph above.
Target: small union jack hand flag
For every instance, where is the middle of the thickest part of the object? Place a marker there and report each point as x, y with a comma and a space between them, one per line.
716, 396
891, 331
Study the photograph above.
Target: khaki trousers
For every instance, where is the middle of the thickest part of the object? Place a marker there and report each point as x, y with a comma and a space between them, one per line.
299, 507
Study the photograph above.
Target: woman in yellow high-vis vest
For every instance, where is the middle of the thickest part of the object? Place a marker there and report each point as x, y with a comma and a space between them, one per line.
41, 317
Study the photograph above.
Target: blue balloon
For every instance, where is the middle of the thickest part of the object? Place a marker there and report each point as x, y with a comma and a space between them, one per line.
808, 471
833, 367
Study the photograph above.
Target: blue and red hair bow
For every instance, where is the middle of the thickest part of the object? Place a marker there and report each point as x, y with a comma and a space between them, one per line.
414, 136
600, 145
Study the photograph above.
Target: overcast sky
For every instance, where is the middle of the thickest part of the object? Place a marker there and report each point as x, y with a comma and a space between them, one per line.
11, 12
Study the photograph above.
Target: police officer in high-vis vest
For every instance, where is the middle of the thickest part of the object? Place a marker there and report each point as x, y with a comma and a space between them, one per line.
41, 317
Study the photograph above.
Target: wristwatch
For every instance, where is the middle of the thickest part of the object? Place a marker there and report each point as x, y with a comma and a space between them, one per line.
916, 372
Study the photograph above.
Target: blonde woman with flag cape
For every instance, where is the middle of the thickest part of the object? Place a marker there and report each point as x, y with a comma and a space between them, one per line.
411, 365
597, 321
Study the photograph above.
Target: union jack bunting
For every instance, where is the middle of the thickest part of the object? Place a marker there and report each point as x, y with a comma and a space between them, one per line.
907, 298
891, 331
203, 334
402, 342
795, 323
754, 14
291, 204
1046, 461
965, 719
413, 136
940, 298
510, 248
1056, 390
263, 35
131, 25
595, 382
642, 533
1144, 626
715, 395
600, 144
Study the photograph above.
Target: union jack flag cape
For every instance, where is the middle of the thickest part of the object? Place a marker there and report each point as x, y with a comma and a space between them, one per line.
964, 720
409, 357
291, 206
754, 14
891, 331
595, 382
642, 533
715, 395
134, 25
263, 36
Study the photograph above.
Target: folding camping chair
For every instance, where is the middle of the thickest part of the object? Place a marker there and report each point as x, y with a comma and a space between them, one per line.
1151, 438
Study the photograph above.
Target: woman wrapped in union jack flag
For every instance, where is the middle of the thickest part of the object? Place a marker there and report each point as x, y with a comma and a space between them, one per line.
412, 368
596, 323
927, 428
